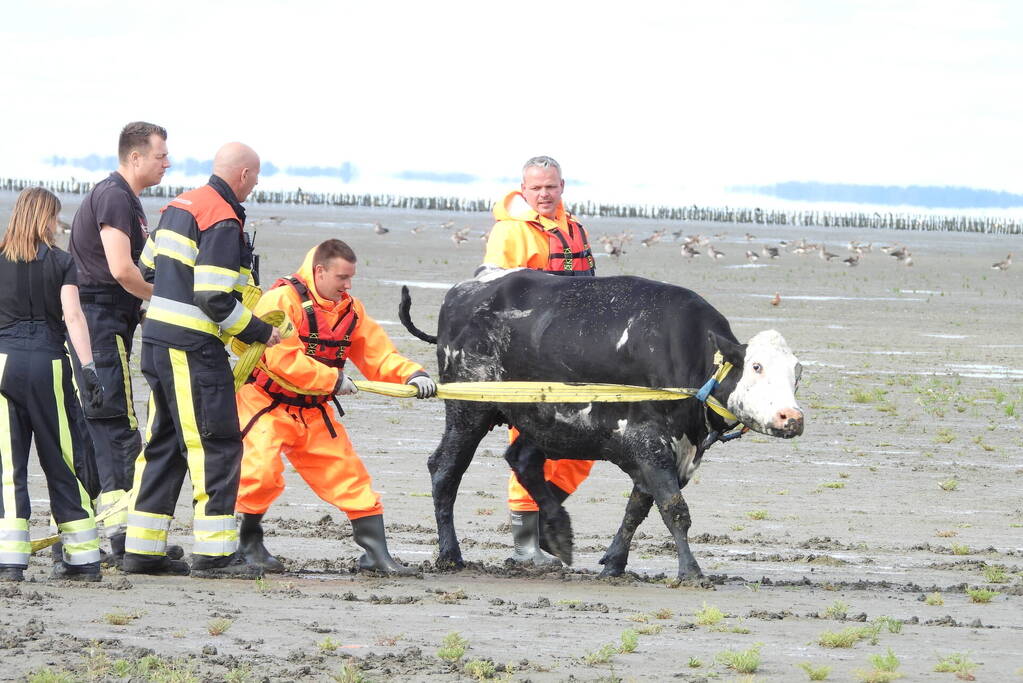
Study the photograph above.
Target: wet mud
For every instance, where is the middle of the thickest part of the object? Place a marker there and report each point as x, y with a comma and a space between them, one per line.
896, 512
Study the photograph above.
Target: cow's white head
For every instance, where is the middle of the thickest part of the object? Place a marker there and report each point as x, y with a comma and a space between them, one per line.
764, 398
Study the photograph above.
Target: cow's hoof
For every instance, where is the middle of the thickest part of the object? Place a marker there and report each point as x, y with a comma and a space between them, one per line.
610, 571
449, 564
557, 530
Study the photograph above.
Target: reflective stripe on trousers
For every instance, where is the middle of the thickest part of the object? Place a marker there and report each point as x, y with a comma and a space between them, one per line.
15, 546
147, 533
80, 541
115, 523
215, 535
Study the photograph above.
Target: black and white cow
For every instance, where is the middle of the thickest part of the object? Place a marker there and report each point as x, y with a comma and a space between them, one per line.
526, 325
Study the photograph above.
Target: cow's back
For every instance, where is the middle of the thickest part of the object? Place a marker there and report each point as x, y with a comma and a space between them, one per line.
528, 325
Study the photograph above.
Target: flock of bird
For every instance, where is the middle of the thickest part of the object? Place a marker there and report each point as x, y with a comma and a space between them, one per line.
696, 245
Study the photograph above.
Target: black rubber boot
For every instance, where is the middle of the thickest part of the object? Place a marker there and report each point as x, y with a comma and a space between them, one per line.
57, 552
250, 544
368, 532
231, 566
116, 556
525, 527
561, 496
62, 571
153, 564
10, 573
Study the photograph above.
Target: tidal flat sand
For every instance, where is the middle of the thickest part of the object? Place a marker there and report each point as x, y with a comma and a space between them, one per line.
902, 495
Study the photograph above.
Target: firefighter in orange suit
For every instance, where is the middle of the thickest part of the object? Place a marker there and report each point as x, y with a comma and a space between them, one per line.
533, 230
288, 407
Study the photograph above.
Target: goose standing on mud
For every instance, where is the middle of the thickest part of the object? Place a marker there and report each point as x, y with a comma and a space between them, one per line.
379, 229
1003, 265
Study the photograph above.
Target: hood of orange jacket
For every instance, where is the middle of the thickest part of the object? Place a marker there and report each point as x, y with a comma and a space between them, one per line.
514, 207
305, 273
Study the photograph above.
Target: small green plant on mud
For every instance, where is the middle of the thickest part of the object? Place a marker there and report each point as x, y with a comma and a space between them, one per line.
815, 673
893, 625
958, 664
848, 637
51, 676
960, 549
837, 610
601, 655
694, 663
934, 599
120, 618
867, 396
480, 669
757, 514
218, 626
453, 647
663, 613
262, 584
885, 668
640, 617
948, 485
630, 639
981, 594
994, 573
350, 673
944, 435
649, 629
239, 674
834, 485
980, 442
744, 661
709, 615
328, 644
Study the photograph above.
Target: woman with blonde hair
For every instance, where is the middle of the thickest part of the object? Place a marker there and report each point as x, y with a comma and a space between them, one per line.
39, 308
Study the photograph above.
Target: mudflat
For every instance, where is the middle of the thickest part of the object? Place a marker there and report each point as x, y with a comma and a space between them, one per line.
888, 536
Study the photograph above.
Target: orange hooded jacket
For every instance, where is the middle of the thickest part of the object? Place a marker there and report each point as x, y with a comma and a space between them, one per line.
372, 350
513, 243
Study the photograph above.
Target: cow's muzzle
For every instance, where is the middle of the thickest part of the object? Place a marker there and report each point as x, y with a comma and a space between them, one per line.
787, 423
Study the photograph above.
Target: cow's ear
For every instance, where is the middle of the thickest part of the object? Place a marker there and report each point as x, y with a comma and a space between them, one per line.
733, 352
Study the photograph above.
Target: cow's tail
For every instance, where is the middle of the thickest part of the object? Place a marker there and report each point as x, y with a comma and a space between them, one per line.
403, 315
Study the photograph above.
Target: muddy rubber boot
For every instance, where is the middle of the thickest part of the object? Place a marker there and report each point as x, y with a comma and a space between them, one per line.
250, 544
231, 566
116, 556
9, 573
134, 563
57, 552
368, 532
90, 572
525, 527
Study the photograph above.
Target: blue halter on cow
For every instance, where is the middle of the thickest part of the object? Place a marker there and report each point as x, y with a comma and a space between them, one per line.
521, 325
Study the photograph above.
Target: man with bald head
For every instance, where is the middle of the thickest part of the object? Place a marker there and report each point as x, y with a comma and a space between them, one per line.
198, 261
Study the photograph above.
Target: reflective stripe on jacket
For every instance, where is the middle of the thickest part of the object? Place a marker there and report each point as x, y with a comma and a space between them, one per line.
199, 262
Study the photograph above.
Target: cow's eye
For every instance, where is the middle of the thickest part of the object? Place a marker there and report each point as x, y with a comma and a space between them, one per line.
757, 368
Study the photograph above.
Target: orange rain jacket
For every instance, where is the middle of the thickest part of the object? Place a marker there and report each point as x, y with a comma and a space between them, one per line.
516, 242
312, 437
522, 238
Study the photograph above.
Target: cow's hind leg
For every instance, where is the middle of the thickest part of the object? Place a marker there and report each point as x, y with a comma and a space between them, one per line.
465, 425
617, 555
662, 483
527, 461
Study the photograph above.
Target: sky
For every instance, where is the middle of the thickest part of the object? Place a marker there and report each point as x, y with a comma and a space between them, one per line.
668, 102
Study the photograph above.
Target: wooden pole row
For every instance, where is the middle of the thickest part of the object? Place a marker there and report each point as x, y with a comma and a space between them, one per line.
894, 221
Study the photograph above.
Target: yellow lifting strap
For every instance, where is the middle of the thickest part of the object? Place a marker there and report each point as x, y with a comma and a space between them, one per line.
545, 392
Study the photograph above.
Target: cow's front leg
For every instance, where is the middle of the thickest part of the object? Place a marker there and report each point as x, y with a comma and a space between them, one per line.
527, 461
617, 555
464, 428
662, 483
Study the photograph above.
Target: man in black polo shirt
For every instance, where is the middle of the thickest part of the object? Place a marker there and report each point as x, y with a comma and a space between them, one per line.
107, 236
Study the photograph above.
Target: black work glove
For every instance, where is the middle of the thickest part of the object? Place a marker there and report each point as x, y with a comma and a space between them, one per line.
92, 389
425, 387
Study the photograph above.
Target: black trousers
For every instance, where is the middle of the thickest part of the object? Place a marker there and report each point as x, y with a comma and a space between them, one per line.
34, 391
112, 315
193, 428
